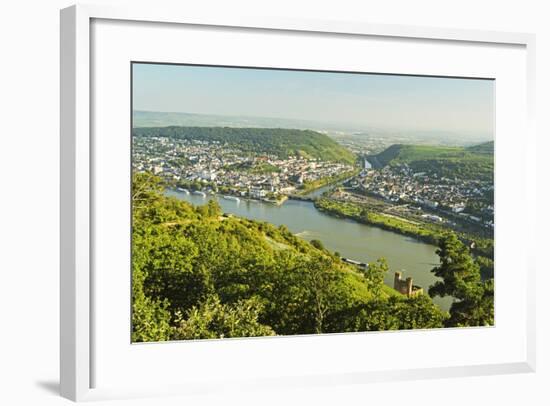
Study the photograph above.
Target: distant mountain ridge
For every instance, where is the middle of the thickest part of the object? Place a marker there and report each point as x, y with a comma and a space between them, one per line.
143, 118
276, 141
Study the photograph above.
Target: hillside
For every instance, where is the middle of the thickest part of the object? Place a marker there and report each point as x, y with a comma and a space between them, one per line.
200, 274
485, 148
277, 141
475, 162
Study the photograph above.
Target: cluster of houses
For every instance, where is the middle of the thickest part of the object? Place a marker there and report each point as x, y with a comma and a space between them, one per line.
220, 165
399, 184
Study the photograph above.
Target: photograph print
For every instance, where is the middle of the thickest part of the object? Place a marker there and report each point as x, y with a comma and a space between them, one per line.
277, 202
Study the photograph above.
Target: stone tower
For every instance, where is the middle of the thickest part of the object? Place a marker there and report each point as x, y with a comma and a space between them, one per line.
405, 286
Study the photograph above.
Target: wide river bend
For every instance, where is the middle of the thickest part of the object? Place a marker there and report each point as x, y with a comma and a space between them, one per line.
351, 239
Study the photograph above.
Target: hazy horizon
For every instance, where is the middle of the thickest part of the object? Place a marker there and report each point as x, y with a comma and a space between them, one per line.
360, 100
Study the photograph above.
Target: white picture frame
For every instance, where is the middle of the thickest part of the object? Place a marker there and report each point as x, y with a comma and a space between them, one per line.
76, 279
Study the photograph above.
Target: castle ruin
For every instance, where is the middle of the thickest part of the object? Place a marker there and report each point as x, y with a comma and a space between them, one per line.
405, 286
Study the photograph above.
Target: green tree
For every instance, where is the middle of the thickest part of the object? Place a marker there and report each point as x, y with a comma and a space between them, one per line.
374, 274
145, 190
212, 319
486, 267
317, 244
461, 279
211, 209
476, 308
150, 317
286, 295
418, 312
392, 313
321, 279
167, 256
457, 268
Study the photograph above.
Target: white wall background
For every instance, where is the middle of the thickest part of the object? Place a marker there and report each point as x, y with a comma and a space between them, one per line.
29, 211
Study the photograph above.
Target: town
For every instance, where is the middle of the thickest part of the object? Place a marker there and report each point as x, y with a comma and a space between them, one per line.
193, 165
398, 190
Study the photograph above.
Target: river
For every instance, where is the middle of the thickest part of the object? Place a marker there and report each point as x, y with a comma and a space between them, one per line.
351, 239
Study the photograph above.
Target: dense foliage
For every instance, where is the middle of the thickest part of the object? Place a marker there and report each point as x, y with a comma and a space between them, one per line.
454, 162
198, 273
310, 186
461, 278
254, 167
274, 141
484, 148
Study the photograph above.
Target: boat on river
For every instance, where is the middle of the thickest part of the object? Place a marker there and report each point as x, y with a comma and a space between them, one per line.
234, 198
199, 193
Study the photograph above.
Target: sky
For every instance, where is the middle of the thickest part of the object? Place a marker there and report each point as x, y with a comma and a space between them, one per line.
391, 102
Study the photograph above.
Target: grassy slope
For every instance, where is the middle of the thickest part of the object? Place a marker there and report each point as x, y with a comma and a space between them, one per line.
277, 141
473, 162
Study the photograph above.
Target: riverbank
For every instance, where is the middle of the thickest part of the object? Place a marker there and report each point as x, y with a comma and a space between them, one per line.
355, 212
428, 233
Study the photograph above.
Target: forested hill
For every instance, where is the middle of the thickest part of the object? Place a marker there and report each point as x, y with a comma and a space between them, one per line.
276, 141
485, 148
461, 162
